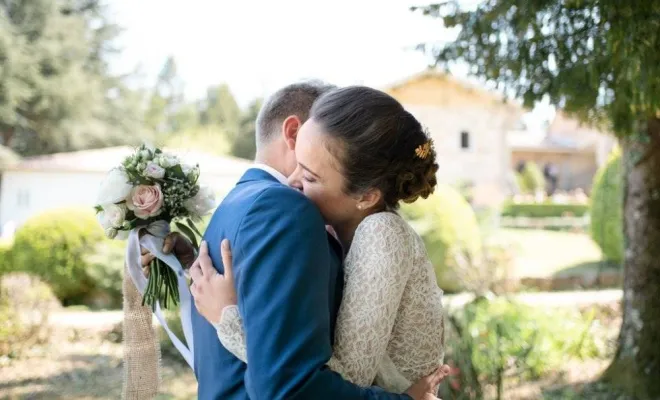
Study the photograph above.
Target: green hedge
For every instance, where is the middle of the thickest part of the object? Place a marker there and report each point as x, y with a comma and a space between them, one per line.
54, 246
544, 210
447, 223
607, 209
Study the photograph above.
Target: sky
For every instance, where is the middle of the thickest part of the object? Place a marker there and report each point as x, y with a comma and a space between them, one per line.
257, 46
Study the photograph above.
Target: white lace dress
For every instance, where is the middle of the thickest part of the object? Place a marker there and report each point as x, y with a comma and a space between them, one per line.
390, 326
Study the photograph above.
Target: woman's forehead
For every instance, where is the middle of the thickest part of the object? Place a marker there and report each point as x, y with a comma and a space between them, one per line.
313, 147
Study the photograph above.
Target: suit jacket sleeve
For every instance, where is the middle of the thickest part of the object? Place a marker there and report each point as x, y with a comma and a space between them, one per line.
282, 275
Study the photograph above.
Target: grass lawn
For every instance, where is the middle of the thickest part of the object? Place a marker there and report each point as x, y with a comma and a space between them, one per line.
543, 253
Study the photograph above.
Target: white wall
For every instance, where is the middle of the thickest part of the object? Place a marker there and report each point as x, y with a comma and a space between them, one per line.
25, 193
486, 162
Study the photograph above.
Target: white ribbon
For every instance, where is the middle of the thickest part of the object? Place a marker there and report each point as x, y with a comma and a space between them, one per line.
154, 243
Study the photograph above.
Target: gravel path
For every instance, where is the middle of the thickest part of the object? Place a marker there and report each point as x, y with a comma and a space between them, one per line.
101, 319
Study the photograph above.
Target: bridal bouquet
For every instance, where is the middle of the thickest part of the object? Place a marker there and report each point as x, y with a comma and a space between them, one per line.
151, 191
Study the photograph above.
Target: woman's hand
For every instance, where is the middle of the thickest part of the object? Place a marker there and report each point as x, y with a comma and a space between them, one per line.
212, 291
426, 387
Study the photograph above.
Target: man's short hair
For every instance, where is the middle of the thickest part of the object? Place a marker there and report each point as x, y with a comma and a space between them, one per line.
295, 99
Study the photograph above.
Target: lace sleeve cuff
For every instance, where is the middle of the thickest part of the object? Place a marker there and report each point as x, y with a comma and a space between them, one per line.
230, 332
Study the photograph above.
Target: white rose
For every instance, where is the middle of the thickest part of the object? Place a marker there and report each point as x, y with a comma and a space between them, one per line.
116, 214
145, 154
112, 216
154, 170
121, 235
115, 188
186, 168
168, 160
202, 203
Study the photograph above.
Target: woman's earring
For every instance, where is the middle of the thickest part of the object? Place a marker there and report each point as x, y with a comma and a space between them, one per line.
359, 206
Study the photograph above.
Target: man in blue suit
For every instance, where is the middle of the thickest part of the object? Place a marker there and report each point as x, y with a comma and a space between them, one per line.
288, 275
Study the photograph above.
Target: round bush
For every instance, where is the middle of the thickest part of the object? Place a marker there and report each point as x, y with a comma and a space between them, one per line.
607, 209
447, 224
5, 255
531, 178
106, 267
25, 305
54, 246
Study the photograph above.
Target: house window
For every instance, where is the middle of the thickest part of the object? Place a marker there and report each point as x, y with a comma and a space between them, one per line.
465, 140
23, 198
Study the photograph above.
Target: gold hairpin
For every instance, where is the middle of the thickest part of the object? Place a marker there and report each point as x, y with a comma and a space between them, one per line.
423, 150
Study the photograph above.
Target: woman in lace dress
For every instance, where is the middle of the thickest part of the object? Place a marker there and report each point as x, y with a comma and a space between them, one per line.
359, 155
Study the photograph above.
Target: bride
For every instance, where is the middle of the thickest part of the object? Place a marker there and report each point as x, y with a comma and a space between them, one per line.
359, 156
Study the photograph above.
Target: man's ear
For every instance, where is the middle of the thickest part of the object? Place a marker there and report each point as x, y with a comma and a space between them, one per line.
290, 127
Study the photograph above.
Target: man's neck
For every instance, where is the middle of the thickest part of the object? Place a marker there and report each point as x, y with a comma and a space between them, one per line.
266, 159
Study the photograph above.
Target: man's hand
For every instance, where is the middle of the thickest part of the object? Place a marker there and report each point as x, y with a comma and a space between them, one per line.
174, 243
213, 291
425, 388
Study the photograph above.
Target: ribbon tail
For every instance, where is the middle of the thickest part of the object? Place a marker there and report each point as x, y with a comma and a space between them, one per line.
134, 265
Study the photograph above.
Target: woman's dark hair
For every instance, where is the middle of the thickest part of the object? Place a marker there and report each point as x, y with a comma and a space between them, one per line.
381, 145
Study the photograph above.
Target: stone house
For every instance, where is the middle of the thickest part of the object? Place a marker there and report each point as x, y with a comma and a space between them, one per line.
469, 125
576, 151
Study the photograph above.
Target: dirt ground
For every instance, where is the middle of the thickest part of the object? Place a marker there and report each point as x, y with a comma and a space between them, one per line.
84, 361
83, 364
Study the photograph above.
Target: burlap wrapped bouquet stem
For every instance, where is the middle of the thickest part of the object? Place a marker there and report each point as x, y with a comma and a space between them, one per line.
141, 346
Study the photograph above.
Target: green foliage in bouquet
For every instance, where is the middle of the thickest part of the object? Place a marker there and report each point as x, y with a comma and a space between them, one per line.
54, 245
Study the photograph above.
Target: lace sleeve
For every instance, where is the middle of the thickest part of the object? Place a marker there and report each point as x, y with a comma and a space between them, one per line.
231, 333
377, 269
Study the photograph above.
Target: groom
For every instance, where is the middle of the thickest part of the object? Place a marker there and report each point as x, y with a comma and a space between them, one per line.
288, 274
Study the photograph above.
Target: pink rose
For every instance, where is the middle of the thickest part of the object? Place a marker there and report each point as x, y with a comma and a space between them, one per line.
145, 201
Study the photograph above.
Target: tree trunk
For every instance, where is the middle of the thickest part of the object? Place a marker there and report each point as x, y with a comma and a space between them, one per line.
7, 135
636, 366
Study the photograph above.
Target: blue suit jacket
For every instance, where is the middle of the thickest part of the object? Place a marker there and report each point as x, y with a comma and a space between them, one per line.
289, 281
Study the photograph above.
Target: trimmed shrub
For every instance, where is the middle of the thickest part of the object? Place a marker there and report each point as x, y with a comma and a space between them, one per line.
54, 247
531, 178
106, 271
5, 255
25, 305
448, 226
607, 209
544, 210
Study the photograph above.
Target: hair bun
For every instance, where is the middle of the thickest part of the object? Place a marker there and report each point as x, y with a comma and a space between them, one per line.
418, 182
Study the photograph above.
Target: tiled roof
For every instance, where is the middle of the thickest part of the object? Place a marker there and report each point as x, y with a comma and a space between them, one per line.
464, 83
